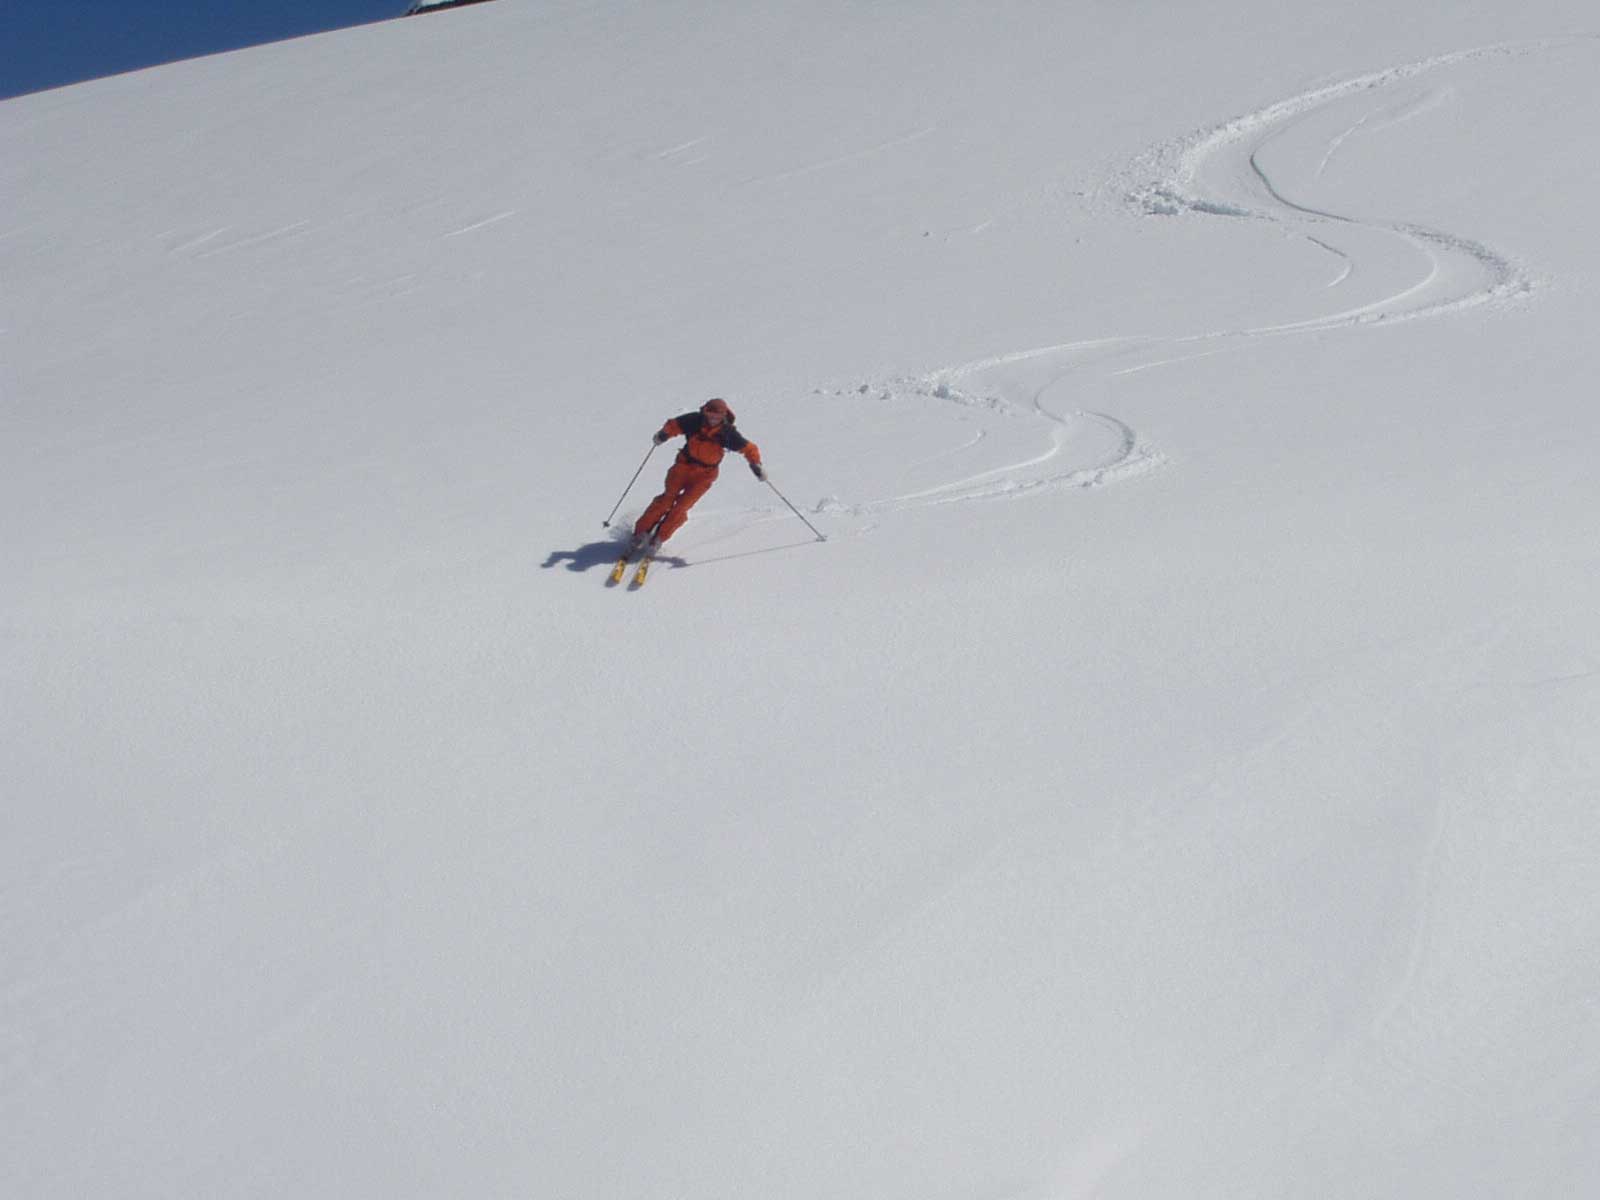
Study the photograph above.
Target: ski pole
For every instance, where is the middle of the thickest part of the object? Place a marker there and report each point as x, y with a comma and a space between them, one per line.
607, 522
821, 537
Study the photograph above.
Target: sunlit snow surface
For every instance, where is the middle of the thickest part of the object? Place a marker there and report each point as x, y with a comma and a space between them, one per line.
1175, 776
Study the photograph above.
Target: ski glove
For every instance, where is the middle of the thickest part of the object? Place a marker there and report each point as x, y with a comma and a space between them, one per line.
758, 471
660, 437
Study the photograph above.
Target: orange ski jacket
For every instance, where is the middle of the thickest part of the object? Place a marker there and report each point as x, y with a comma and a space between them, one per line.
707, 442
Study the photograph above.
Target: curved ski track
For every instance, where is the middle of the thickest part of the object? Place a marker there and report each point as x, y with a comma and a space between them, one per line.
1213, 172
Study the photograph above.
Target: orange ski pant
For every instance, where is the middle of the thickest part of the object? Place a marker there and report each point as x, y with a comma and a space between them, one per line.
686, 483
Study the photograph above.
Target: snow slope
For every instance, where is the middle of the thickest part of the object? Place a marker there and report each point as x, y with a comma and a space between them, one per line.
1175, 776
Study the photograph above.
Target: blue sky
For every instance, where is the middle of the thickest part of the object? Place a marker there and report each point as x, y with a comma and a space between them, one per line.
48, 43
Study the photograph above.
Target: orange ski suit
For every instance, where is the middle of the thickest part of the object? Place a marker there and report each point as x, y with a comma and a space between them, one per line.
693, 471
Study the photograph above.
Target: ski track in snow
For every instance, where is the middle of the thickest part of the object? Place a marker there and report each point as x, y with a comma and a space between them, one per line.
1080, 449
483, 224
272, 235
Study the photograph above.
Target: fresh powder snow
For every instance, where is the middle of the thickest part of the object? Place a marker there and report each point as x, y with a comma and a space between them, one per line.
1177, 775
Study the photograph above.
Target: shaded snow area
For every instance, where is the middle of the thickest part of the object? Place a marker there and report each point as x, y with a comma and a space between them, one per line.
1175, 776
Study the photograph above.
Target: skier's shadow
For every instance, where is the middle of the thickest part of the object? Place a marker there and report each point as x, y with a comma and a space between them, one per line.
600, 554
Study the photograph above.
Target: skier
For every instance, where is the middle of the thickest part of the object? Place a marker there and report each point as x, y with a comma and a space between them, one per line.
710, 434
